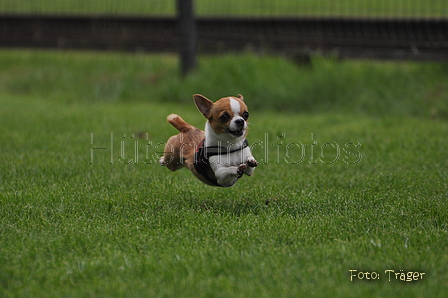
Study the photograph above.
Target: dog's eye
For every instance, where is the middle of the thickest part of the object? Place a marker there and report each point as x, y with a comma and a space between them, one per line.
224, 118
245, 115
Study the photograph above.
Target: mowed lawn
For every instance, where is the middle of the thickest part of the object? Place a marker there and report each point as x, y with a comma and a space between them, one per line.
278, 8
334, 192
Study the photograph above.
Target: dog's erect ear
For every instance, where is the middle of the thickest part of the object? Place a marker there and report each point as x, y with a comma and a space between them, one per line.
204, 104
240, 97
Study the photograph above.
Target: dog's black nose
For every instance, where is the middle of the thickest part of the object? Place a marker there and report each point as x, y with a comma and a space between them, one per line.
239, 122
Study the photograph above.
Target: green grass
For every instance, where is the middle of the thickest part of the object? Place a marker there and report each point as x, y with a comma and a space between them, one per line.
325, 85
73, 229
411, 8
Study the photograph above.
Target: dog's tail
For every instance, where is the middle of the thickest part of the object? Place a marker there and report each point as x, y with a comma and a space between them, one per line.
178, 122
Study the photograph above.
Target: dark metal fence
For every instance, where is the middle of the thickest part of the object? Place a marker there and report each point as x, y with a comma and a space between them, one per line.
346, 37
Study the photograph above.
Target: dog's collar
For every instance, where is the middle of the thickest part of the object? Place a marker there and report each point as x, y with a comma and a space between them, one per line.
219, 150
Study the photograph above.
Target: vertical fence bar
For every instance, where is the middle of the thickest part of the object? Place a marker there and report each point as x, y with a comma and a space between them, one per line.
187, 35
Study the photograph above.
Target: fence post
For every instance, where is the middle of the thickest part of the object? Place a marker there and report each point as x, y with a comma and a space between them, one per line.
187, 35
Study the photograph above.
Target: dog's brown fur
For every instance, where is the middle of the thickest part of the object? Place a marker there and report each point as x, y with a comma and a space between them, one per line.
180, 148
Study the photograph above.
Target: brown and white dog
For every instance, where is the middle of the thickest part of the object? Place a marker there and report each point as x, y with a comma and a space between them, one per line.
220, 155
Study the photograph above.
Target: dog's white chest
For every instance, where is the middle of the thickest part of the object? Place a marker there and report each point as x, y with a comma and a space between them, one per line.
230, 159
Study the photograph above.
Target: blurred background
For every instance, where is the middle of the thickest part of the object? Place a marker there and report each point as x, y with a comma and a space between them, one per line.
311, 55
342, 8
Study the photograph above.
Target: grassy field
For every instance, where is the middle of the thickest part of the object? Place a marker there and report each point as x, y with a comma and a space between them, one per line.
73, 226
325, 85
409, 8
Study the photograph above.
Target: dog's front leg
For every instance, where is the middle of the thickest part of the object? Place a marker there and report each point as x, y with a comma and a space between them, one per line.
251, 165
228, 175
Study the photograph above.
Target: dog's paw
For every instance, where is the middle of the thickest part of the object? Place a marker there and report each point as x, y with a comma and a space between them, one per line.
240, 170
251, 162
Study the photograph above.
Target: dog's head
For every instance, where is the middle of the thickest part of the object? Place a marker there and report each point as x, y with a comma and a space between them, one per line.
228, 115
